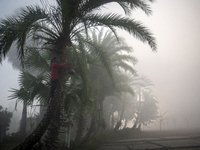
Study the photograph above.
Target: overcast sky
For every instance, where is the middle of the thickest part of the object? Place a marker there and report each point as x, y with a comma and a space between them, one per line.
174, 68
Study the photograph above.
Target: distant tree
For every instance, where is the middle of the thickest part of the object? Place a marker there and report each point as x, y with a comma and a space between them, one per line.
174, 120
149, 109
116, 53
119, 108
187, 117
140, 85
130, 110
125, 109
5, 119
22, 130
161, 118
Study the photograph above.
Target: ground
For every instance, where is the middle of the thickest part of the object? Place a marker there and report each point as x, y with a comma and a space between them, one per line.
176, 140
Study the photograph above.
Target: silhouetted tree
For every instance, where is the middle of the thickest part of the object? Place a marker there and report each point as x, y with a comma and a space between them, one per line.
161, 118
140, 85
5, 119
22, 130
115, 52
149, 109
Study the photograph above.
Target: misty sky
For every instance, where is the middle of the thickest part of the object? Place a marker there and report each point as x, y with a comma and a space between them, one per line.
174, 68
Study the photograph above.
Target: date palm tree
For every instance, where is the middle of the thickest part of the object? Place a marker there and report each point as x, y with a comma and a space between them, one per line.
54, 28
149, 109
120, 60
140, 84
35, 87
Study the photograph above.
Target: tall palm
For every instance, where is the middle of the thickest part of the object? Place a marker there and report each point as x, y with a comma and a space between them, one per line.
140, 84
115, 51
100, 49
54, 29
149, 109
110, 50
35, 87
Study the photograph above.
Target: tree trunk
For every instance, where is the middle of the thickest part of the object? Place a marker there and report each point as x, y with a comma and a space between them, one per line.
112, 121
80, 128
23, 121
97, 119
119, 123
35, 136
126, 122
52, 134
42, 111
93, 124
138, 112
139, 127
102, 119
135, 124
53, 107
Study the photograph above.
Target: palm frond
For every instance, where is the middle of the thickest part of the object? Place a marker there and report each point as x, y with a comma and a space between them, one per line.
34, 85
17, 29
133, 27
20, 94
125, 58
90, 5
125, 88
125, 66
35, 61
82, 67
101, 54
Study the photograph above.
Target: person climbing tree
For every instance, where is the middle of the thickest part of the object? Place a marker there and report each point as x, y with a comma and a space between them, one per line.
54, 67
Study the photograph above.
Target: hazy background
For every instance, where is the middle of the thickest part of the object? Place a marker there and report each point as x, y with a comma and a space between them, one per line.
174, 68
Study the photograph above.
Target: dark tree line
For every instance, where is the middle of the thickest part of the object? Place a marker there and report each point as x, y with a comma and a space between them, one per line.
5, 119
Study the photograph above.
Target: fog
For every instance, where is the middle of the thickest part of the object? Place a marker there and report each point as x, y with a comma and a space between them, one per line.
174, 68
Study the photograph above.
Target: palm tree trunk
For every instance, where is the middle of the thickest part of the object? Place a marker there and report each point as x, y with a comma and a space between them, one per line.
23, 121
119, 123
139, 127
135, 124
52, 134
97, 121
42, 111
36, 135
126, 122
80, 128
53, 107
138, 112
93, 124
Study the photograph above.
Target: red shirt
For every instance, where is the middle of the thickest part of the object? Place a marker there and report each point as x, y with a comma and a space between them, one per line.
54, 69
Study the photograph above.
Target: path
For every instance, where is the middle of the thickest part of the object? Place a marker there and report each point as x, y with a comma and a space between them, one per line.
175, 143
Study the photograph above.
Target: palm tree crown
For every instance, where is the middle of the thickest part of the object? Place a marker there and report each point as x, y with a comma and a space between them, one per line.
54, 28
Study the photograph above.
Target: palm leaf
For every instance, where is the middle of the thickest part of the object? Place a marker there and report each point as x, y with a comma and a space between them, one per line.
133, 27
35, 61
101, 54
89, 5
18, 28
